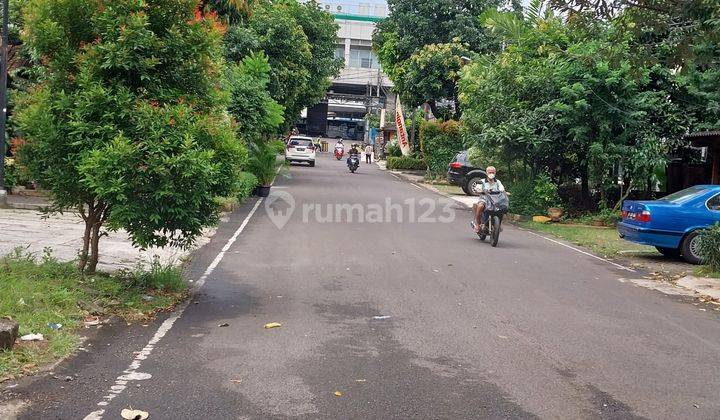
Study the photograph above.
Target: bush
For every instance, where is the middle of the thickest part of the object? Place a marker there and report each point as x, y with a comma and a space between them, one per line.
14, 173
246, 184
440, 142
394, 150
710, 247
405, 162
263, 162
534, 197
606, 216
277, 146
546, 192
522, 200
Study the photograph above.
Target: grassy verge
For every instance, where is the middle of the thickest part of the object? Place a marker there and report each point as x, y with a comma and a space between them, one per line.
707, 271
602, 241
447, 188
38, 292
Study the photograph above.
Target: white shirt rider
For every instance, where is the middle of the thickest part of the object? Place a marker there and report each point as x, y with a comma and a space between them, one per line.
495, 186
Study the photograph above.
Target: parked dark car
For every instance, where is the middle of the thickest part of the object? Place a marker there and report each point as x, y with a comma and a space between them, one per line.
463, 174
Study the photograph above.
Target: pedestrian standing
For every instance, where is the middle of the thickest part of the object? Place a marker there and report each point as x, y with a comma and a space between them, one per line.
368, 153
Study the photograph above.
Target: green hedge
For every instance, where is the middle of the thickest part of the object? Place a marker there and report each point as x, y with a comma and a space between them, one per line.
533, 198
405, 162
440, 142
394, 150
246, 184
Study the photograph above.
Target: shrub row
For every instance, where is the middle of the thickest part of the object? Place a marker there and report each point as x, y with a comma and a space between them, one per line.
405, 162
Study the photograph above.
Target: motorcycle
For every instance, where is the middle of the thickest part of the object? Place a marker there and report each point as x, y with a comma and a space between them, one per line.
495, 209
339, 153
353, 163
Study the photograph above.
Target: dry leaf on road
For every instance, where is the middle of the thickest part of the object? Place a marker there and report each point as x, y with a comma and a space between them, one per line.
130, 414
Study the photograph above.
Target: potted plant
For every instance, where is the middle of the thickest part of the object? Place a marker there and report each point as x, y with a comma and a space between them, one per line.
263, 163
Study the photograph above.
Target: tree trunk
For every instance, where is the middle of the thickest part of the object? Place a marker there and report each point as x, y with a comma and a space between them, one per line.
624, 197
94, 248
433, 108
584, 183
89, 222
99, 217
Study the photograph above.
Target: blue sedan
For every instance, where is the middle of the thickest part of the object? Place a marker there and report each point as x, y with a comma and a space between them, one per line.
672, 224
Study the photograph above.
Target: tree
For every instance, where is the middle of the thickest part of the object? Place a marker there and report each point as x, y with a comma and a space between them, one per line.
412, 24
128, 124
256, 113
321, 31
299, 41
431, 74
571, 96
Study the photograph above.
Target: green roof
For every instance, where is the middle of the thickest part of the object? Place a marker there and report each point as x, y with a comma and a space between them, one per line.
341, 16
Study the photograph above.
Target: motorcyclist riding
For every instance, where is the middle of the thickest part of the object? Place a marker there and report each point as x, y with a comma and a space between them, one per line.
489, 184
339, 149
353, 151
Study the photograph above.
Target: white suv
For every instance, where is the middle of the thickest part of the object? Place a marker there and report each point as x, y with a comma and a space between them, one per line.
300, 149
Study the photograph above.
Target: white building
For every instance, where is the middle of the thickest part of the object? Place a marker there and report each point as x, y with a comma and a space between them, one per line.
361, 85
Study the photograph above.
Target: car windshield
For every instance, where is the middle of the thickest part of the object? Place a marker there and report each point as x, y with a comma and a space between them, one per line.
684, 195
300, 142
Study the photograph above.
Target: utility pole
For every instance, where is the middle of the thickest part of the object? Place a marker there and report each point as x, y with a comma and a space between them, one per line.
378, 83
368, 107
3, 97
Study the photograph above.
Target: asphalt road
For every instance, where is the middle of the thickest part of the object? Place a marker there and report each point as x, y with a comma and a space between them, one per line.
528, 329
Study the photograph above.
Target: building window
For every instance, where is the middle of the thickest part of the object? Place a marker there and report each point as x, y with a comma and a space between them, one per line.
340, 52
363, 58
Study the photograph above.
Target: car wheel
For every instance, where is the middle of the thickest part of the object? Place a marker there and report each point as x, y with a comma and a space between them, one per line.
669, 252
472, 185
691, 248
312, 163
465, 190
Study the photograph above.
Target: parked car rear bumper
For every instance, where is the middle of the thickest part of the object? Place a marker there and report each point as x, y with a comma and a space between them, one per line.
299, 157
652, 237
455, 178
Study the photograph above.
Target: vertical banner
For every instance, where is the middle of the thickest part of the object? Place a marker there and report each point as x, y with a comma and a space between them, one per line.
401, 129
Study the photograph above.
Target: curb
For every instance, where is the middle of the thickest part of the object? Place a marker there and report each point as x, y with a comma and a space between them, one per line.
405, 177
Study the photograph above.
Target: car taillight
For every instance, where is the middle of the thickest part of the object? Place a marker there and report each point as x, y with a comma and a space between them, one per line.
643, 217
624, 214
311, 147
455, 165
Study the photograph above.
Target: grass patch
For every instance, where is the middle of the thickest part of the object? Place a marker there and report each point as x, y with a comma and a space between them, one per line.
448, 189
36, 292
707, 271
602, 241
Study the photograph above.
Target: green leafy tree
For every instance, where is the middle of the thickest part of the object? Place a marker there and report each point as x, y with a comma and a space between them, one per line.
256, 113
421, 44
128, 124
431, 74
570, 96
412, 24
299, 41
